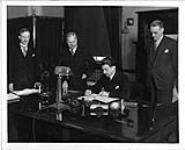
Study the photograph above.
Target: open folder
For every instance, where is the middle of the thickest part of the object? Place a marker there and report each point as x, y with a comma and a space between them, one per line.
103, 99
15, 96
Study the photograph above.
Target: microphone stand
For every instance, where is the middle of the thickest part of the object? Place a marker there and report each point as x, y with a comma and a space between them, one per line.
58, 98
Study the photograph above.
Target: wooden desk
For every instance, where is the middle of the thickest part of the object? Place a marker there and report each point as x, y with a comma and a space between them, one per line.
41, 126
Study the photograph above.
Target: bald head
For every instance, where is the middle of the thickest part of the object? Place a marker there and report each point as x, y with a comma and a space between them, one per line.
71, 40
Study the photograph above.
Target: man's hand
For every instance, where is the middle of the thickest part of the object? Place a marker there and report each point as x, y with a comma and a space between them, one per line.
38, 86
175, 95
88, 92
10, 87
84, 76
103, 93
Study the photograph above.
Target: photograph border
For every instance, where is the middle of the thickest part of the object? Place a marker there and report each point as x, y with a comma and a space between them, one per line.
105, 146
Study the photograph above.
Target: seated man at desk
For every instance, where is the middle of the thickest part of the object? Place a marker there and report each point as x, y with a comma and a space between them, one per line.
113, 83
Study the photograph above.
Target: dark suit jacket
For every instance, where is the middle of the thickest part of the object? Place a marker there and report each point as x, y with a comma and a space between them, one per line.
163, 64
118, 86
22, 71
81, 62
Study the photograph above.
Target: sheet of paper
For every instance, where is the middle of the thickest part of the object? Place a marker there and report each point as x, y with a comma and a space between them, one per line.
25, 92
98, 97
12, 98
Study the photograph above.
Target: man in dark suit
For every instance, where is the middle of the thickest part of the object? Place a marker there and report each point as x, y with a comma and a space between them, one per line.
162, 65
23, 74
22, 63
113, 83
79, 60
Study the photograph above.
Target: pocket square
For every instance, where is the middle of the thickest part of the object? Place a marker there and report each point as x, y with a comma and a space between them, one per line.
33, 55
117, 87
166, 51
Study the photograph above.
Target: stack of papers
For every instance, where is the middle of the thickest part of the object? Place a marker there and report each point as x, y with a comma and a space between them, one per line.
13, 98
103, 99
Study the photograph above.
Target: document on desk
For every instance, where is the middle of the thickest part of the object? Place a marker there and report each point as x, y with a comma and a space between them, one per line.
12, 98
103, 99
26, 91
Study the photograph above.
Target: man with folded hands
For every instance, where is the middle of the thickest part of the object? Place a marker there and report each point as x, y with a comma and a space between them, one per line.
162, 71
79, 60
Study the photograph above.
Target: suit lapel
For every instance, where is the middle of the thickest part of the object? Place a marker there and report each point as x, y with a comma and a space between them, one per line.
114, 77
29, 52
152, 53
159, 49
77, 52
19, 51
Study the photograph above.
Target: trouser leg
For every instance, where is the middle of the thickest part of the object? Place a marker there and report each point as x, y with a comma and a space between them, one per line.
12, 130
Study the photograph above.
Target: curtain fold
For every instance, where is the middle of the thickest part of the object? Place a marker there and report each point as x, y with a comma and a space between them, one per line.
98, 29
48, 39
112, 17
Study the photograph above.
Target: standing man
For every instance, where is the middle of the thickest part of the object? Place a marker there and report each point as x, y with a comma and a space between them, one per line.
79, 60
22, 63
22, 74
162, 65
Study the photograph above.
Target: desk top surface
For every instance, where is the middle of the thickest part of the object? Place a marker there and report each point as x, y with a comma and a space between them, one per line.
103, 126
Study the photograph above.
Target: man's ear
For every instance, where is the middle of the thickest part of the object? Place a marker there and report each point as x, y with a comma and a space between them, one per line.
113, 67
19, 37
162, 29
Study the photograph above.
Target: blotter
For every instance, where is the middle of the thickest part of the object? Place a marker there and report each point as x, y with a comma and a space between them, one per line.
103, 99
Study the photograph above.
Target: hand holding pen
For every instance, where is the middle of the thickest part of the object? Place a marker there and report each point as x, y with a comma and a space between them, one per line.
104, 93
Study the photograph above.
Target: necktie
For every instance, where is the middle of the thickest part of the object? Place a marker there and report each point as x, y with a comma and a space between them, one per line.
155, 45
72, 52
25, 49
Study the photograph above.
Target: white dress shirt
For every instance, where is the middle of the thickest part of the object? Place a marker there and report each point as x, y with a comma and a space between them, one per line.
24, 49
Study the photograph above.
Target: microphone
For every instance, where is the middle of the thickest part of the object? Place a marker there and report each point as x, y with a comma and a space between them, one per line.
63, 71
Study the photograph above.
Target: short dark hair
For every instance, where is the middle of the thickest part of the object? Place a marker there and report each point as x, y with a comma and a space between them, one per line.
109, 61
23, 30
157, 23
71, 34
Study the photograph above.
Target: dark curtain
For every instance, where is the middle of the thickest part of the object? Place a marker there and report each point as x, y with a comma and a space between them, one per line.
69, 19
48, 39
97, 27
112, 16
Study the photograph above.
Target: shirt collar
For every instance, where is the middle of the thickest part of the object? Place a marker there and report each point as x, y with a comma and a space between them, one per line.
112, 75
74, 50
22, 45
24, 49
